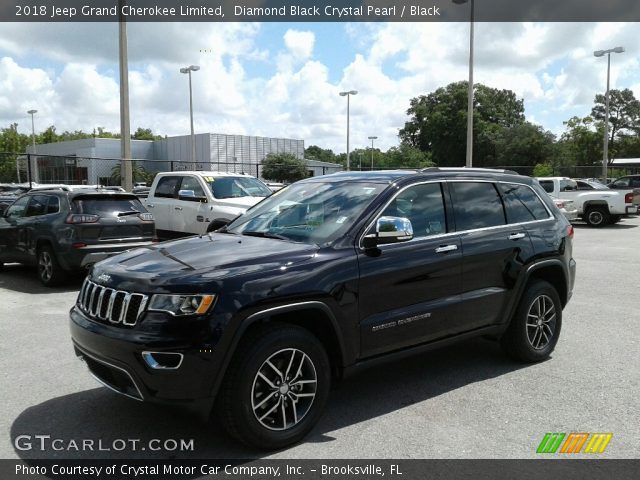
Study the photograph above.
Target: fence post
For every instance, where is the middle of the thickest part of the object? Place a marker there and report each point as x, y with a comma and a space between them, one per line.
172, 165
29, 170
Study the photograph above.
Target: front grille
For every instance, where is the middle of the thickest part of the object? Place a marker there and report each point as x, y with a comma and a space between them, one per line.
110, 305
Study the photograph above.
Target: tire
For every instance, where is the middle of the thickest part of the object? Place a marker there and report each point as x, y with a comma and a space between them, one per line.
535, 328
50, 273
250, 401
597, 217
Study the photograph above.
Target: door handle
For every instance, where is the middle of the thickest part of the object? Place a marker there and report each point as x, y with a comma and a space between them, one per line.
150, 205
516, 236
446, 248
177, 208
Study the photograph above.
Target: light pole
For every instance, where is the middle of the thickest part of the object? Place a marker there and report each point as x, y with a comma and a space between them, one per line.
469, 157
372, 139
34, 165
348, 94
605, 149
188, 70
126, 166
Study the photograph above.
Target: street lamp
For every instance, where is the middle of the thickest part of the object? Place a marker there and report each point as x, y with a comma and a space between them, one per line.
372, 139
469, 157
188, 70
33, 144
348, 94
605, 150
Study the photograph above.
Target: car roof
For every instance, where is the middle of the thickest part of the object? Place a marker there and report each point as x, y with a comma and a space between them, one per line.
205, 173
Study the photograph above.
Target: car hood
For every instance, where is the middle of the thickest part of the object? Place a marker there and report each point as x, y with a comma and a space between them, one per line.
195, 263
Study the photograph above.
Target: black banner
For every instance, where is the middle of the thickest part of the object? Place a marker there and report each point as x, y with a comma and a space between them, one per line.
317, 11
565, 469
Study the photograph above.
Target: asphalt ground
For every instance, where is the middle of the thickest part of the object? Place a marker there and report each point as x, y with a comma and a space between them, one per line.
464, 401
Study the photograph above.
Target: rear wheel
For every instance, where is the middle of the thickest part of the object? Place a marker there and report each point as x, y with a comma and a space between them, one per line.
534, 329
276, 387
50, 272
597, 217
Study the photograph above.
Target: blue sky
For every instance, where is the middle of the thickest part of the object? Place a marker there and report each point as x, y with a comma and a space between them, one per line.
283, 79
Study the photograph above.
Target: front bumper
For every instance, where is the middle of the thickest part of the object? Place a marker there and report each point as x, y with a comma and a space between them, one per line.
114, 355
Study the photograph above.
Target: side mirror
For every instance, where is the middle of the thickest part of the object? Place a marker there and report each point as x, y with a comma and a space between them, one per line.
190, 196
389, 230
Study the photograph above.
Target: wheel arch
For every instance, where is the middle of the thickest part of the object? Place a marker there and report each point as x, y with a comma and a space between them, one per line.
553, 272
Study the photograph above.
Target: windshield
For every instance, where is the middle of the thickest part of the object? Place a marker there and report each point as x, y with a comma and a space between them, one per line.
233, 187
315, 213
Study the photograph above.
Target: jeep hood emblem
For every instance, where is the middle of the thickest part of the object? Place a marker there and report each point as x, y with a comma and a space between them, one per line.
104, 278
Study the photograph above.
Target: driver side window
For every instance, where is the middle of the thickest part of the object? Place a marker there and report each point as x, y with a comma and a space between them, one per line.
423, 205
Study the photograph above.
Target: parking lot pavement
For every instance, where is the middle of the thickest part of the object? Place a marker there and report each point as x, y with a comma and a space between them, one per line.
466, 401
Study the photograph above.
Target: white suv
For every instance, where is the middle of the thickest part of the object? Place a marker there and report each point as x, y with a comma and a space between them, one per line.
194, 202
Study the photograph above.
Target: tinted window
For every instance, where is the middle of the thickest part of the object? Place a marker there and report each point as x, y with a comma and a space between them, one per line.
635, 183
192, 183
620, 183
584, 186
37, 206
54, 205
547, 185
568, 185
18, 208
167, 187
106, 206
424, 206
522, 204
477, 205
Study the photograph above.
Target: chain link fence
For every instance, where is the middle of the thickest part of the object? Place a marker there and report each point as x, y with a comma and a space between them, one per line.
74, 170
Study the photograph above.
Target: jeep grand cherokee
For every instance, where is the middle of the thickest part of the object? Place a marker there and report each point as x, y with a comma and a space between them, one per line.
328, 275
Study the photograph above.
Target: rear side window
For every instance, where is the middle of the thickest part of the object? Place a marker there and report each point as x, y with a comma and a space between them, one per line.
106, 206
477, 205
547, 185
53, 206
522, 204
167, 187
37, 206
635, 183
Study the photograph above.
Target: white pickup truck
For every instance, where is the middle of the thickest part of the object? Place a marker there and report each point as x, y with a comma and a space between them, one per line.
597, 207
196, 202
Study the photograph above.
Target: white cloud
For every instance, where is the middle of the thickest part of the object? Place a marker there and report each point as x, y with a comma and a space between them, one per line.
299, 44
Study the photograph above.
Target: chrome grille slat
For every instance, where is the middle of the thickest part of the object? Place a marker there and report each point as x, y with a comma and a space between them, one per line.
94, 299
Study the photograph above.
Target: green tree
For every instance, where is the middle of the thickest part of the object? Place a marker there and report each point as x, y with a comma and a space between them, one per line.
543, 170
321, 154
139, 174
581, 143
438, 122
283, 167
144, 134
624, 112
522, 145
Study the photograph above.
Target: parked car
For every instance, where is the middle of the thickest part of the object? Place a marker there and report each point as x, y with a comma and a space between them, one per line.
61, 231
333, 274
629, 186
597, 207
197, 202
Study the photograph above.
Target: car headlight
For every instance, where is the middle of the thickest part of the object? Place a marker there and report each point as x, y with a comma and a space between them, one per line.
182, 304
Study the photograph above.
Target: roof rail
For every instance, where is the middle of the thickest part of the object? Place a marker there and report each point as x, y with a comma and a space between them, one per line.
467, 169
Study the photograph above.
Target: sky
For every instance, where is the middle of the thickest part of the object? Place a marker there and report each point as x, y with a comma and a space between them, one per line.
284, 79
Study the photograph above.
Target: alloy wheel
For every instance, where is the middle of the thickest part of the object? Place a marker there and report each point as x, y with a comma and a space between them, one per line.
541, 322
284, 389
45, 266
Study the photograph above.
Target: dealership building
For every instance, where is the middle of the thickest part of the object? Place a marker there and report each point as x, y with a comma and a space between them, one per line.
92, 160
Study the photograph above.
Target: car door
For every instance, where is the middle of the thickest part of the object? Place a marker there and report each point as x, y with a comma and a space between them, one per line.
493, 250
409, 292
162, 202
11, 226
31, 226
190, 216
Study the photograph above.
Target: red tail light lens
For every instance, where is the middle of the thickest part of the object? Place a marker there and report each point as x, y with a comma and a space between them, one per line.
570, 231
78, 245
81, 218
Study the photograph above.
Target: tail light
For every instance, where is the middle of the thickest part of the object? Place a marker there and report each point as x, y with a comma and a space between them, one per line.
559, 203
78, 245
628, 198
570, 231
146, 217
81, 218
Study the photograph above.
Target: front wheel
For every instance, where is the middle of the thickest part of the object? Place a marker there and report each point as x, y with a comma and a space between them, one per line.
597, 217
534, 329
276, 387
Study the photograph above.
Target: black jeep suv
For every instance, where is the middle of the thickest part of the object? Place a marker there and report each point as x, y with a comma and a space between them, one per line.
326, 276
61, 231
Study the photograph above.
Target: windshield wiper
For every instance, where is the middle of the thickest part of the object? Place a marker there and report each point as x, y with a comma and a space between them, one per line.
265, 235
129, 212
